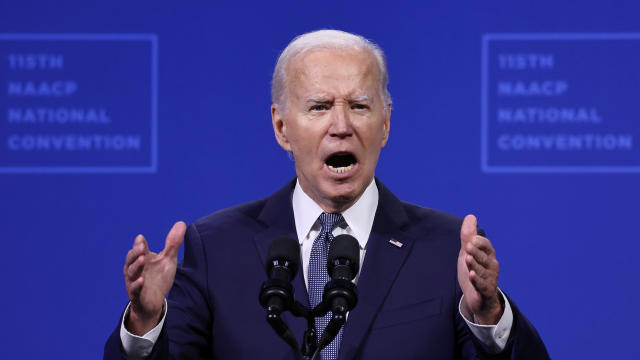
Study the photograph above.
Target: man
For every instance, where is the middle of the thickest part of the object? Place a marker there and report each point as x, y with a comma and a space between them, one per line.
331, 110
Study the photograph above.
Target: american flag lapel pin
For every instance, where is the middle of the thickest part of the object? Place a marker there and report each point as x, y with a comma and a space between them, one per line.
395, 243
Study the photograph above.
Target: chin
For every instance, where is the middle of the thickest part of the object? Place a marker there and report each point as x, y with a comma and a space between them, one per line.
344, 193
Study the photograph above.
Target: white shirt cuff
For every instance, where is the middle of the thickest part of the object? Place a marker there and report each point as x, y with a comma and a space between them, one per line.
138, 347
493, 336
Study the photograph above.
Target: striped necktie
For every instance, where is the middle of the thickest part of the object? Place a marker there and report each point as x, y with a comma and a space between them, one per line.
318, 277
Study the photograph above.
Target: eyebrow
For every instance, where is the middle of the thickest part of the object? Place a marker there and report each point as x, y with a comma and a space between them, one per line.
364, 98
322, 100
319, 100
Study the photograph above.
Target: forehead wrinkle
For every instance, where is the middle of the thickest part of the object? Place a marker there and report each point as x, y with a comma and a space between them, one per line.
304, 78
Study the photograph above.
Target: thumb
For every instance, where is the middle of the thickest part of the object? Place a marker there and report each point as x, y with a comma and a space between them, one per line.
468, 230
174, 239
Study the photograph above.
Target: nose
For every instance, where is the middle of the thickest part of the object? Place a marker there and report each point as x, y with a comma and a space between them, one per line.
340, 122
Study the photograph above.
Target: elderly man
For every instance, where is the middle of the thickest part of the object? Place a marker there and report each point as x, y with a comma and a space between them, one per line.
428, 280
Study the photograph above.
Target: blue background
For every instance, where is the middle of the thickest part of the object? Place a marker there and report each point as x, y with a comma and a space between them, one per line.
566, 242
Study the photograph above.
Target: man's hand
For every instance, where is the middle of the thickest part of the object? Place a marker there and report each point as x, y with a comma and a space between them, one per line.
478, 274
148, 277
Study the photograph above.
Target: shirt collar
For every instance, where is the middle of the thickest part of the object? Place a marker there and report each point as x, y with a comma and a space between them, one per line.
359, 217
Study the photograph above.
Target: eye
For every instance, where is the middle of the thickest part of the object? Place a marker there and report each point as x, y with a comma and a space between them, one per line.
318, 107
358, 106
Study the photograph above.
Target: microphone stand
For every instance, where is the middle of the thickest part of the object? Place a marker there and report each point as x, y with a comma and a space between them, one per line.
311, 347
309, 339
330, 332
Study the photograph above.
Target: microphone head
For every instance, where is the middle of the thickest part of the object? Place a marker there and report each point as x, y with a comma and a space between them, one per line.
344, 250
285, 251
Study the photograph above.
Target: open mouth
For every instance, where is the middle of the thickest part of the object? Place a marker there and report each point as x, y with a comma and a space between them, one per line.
341, 162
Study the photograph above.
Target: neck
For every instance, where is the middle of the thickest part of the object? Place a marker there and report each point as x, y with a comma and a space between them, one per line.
332, 205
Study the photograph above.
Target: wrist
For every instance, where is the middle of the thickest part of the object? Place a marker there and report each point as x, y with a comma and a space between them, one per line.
139, 324
491, 313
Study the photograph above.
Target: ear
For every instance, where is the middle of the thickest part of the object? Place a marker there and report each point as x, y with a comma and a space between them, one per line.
279, 127
386, 125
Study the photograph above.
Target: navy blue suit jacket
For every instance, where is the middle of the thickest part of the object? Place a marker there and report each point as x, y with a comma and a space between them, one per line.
408, 296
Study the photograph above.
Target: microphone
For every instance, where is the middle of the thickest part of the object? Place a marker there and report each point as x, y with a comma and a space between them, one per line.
343, 261
283, 258
343, 264
276, 294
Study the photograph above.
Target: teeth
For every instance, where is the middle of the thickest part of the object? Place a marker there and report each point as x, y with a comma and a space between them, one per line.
340, 170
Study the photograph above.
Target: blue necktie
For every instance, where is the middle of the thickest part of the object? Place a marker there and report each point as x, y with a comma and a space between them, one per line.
318, 277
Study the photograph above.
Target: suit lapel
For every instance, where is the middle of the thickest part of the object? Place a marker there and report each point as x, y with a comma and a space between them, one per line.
381, 266
278, 220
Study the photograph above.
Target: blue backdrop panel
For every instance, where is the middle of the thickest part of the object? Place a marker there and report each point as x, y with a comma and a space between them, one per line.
547, 107
64, 116
155, 112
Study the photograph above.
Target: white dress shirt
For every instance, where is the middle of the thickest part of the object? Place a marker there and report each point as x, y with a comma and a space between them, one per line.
358, 223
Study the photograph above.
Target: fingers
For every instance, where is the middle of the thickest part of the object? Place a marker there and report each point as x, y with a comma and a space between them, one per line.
483, 244
483, 276
486, 272
480, 248
484, 280
134, 265
134, 270
174, 239
481, 257
134, 262
139, 247
484, 287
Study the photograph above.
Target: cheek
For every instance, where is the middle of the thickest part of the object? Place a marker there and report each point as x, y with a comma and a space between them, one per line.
375, 140
303, 149
306, 140
296, 140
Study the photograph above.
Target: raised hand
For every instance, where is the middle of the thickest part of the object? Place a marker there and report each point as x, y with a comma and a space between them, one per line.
478, 274
148, 277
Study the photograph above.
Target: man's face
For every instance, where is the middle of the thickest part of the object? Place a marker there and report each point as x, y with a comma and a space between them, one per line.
334, 123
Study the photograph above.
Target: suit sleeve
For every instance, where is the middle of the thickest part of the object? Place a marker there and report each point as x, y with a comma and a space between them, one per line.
187, 329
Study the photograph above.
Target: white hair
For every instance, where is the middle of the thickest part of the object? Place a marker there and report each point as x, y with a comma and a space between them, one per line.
324, 39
